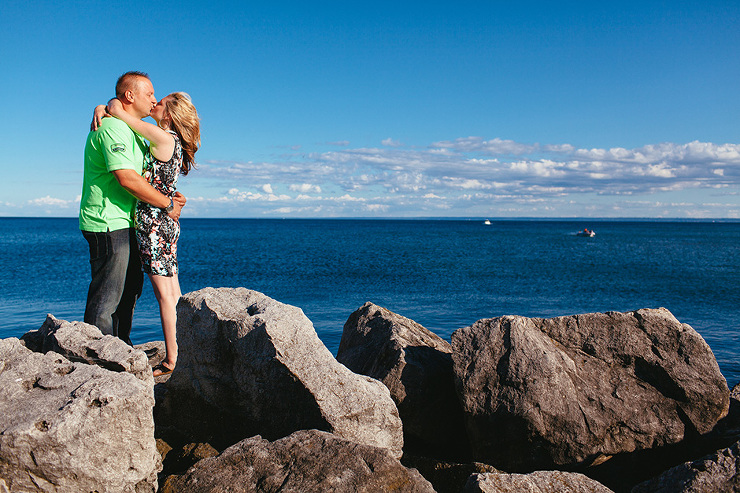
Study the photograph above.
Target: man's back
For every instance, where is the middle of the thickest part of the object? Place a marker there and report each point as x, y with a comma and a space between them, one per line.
105, 205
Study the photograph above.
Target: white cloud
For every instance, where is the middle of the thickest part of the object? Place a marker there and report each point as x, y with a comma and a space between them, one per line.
305, 188
49, 201
472, 175
660, 170
391, 142
465, 184
46, 206
490, 147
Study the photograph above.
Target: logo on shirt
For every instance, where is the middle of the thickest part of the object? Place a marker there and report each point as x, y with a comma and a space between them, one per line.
118, 147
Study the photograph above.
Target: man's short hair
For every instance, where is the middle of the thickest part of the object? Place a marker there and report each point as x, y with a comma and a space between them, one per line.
127, 81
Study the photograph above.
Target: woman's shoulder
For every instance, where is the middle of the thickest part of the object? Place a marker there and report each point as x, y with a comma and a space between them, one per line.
177, 151
174, 134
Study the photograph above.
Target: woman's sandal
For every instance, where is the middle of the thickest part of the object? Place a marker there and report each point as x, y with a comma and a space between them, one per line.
161, 370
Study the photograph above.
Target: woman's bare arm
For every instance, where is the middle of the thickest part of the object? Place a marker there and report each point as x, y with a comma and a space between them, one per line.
161, 143
100, 112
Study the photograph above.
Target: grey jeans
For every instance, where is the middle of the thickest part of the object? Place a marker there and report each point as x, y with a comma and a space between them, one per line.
116, 281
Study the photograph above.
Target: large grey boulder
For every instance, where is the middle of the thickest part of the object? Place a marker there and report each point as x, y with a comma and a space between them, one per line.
536, 482
416, 366
70, 426
540, 393
78, 341
446, 477
716, 472
250, 365
307, 460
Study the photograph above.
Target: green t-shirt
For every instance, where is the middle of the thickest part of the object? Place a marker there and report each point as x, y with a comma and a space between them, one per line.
105, 205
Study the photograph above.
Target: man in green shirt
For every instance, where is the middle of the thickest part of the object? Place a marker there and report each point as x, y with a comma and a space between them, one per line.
112, 184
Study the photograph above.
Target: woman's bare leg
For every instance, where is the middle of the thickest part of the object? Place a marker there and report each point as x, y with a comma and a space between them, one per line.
167, 291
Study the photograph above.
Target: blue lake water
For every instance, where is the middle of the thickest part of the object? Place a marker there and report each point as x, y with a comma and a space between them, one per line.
444, 274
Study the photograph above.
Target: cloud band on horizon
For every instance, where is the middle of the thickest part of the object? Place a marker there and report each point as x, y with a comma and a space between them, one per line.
472, 177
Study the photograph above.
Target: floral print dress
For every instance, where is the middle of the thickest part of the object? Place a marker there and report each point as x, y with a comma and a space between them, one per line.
156, 231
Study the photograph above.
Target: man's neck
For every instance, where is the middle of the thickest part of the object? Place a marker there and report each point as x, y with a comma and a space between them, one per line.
129, 108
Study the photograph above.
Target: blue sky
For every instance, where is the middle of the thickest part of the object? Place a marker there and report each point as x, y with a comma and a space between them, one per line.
393, 109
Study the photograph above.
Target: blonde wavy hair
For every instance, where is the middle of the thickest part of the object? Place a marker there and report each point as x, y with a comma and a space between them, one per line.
182, 117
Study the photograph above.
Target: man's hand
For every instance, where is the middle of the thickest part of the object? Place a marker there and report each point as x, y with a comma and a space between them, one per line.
178, 201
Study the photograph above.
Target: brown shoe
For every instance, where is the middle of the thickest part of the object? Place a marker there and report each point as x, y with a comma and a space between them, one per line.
161, 370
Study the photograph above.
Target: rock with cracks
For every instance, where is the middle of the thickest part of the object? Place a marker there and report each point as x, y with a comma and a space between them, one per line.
536, 482
250, 365
71, 426
308, 460
716, 472
416, 366
78, 341
542, 393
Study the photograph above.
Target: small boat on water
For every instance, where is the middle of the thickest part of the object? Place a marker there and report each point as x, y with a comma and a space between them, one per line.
590, 233
487, 222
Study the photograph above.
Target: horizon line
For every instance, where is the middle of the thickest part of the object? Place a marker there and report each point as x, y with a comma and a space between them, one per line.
440, 218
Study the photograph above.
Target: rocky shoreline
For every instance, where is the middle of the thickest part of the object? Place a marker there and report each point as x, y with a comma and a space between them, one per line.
586, 403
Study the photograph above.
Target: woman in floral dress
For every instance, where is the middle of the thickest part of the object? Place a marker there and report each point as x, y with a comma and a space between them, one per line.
172, 145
